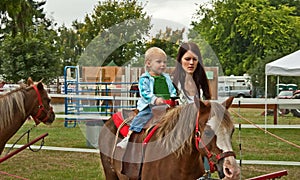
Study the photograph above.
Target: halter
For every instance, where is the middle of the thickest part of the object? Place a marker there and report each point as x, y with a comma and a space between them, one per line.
212, 158
41, 109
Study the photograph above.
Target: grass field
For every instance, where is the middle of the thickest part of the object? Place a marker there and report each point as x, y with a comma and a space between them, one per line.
46, 164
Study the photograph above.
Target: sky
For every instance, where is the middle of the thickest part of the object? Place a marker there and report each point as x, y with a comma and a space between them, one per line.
172, 13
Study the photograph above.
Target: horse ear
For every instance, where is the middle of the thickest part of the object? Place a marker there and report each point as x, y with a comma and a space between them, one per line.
197, 101
29, 81
202, 104
227, 103
40, 86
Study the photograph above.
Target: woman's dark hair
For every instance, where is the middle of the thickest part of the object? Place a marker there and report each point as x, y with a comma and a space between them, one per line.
199, 74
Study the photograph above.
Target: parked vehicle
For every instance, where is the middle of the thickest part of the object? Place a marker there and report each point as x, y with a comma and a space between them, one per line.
296, 95
289, 94
236, 91
285, 94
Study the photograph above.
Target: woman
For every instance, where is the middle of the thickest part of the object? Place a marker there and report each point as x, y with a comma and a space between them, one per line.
189, 75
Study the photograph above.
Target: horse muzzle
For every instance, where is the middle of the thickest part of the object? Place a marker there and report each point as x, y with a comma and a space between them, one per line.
228, 168
50, 120
50, 117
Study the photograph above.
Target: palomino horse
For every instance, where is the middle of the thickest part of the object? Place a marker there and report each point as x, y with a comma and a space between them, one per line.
17, 105
185, 136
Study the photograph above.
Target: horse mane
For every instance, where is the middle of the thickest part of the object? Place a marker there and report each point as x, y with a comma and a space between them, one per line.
177, 128
8, 102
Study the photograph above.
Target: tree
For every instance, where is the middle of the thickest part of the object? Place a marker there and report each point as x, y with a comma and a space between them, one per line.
37, 57
243, 32
115, 31
28, 46
169, 41
70, 46
247, 34
289, 3
18, 15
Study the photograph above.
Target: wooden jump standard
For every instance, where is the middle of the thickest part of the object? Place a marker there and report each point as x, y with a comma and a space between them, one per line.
23, 147
273, 175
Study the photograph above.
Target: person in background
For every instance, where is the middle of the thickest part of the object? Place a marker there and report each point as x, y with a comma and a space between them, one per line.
189, 75
155, 86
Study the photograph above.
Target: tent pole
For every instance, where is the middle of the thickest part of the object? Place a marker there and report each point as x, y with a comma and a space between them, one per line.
266, 94
277, 91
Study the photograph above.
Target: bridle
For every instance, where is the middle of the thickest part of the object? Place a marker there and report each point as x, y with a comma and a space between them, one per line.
212, 158
41, 107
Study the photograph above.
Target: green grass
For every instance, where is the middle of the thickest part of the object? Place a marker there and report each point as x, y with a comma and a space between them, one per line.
53, 165
46, 164
256, 145
266, 146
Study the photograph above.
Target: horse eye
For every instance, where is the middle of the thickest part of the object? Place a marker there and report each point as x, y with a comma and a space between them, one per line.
208, 133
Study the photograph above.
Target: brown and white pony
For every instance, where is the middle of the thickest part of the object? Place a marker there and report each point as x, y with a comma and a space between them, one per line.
184, 137
16, 106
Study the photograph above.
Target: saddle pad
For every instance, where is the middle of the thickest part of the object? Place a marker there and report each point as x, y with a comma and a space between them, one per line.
118, 120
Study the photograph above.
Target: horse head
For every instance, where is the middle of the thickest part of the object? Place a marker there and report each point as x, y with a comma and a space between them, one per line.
42, 110
213, 135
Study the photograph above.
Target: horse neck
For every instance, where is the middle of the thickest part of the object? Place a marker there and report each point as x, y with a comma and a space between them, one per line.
13, 119
24, 103
8, 131
30, 101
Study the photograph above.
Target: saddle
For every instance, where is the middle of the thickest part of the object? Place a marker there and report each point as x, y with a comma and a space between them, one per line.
125, 117
133, 156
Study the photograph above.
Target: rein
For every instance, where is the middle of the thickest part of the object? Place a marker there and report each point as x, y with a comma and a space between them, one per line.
28, 140
212, 158
41, 109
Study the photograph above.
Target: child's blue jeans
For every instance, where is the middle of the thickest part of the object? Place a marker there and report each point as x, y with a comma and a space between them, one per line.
141, 119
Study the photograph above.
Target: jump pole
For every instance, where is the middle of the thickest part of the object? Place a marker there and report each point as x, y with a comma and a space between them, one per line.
23, 147
273, 175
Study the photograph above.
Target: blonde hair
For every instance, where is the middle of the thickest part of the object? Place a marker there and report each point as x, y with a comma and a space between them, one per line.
151, 52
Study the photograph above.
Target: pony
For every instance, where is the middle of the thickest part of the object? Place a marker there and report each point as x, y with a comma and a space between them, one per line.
190, 142
18, 105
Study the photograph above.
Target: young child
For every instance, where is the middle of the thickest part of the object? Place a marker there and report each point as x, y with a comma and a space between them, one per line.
155, 86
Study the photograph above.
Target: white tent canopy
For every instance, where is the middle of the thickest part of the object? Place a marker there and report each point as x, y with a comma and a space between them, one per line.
286, 66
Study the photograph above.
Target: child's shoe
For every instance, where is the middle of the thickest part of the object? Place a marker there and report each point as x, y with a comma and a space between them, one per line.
123, 144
